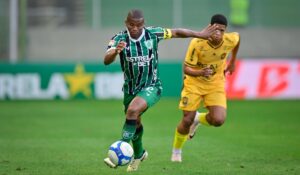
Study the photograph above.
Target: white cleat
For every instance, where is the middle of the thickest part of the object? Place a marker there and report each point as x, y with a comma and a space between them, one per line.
176, 156
193, 129
109, 163
134, 164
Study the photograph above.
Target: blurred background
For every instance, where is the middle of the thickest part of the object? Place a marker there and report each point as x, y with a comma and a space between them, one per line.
48, 32
80, 30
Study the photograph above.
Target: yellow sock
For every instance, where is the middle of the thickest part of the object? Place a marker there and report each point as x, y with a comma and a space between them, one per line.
179, 140
202, 119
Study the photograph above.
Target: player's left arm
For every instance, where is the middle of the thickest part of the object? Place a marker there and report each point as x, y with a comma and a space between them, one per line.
231, 65
186, 33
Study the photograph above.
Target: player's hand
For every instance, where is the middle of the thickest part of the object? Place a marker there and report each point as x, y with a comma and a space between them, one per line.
121, 45
230, 68
207, 31
206, 72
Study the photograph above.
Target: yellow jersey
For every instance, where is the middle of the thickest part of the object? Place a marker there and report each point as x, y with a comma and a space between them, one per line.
202, 54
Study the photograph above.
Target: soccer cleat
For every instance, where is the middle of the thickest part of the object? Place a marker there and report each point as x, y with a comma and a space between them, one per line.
134, 164
109, 163
193, 128
176, 155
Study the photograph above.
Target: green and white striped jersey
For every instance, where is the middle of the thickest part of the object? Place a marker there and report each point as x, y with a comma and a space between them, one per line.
139, 60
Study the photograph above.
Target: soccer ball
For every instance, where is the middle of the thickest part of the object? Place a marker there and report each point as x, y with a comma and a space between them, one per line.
120, 153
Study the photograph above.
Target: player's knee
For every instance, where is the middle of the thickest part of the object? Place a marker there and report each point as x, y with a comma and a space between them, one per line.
218, 120
132, 112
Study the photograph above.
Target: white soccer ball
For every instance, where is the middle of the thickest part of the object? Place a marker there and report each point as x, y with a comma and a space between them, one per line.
120, 153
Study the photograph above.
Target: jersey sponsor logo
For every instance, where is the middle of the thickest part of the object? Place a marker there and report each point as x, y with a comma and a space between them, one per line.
140, 60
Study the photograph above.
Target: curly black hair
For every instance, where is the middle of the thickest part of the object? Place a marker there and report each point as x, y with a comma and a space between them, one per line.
218, 19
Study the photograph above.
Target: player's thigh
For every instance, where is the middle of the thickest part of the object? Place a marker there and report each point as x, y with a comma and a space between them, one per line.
217, 112
217, 98
136, 106
151, 95
127, 100
190, 99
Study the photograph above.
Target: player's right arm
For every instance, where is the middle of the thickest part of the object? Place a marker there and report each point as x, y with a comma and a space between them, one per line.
115, 46
111, 54
205, 72
231, 65
191, 60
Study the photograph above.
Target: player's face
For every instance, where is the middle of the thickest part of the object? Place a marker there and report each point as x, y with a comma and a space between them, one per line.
217, 37
135, 26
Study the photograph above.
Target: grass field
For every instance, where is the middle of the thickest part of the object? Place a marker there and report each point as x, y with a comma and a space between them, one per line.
72, 137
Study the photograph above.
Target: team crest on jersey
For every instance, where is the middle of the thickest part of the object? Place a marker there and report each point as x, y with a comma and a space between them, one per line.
111, 42
223, 56
149, 44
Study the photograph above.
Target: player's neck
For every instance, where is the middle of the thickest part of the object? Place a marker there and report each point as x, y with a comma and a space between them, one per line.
216, 44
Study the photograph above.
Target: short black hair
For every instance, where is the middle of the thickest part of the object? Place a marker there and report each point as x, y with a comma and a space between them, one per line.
218, 19
135, 13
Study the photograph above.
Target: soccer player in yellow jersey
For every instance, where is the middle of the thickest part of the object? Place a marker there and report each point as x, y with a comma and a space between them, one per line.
204, 81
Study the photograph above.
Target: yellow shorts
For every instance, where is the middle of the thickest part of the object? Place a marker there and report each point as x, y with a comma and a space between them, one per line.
192, 96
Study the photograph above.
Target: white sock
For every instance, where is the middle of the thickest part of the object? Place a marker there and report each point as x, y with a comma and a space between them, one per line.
176, 151
196, 119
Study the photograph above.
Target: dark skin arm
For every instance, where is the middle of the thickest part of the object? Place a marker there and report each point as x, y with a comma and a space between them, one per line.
231, 65
206, 72
111, 55
186, 33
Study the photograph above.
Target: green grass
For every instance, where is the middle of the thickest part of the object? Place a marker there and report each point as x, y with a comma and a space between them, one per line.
72, 137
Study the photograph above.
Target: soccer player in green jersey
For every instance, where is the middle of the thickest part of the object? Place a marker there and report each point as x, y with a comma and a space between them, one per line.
137, 48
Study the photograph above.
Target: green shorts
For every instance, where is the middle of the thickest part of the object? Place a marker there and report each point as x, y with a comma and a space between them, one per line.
150, 94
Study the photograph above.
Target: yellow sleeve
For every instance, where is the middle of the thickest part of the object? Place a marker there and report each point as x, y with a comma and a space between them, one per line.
191, 57
235, 37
